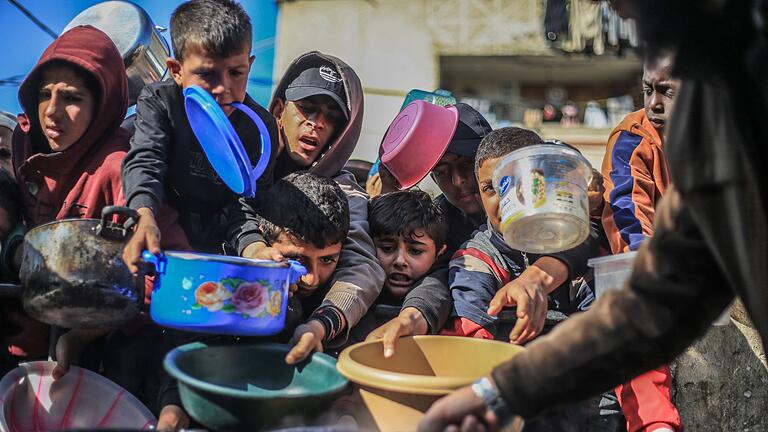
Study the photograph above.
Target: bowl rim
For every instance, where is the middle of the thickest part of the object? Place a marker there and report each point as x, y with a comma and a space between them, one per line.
401, 382
170, 365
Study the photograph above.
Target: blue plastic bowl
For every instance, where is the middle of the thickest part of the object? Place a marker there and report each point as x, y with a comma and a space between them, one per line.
221, 294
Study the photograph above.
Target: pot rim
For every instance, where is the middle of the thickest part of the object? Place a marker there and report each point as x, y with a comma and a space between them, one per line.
226, 259
401, 382
170, 364
77, 220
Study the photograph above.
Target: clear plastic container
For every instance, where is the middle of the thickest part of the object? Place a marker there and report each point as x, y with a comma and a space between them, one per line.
543, 198
612, 271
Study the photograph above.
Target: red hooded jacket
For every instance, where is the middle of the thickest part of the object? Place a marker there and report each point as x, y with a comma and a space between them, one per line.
81, 180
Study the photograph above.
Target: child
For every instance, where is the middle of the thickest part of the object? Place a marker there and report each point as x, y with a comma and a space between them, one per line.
306, 217
211, 42
7, 125
487, 275
318, 104
69, 147
410, 232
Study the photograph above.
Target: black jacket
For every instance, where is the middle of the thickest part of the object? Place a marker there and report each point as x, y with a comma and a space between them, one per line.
166, 164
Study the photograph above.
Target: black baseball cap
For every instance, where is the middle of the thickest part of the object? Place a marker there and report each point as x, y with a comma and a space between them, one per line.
471, 129
323, 80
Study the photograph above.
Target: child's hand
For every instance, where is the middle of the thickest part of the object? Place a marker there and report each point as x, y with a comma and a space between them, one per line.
307, 338
595, 193
172, 418
408, 322
70, 346
260, 250
528, 294
146, 236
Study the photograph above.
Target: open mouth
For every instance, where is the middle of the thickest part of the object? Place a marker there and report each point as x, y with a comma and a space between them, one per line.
657, 122
308, 143
399, 280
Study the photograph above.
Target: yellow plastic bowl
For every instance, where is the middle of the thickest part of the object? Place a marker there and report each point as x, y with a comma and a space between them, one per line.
398, 390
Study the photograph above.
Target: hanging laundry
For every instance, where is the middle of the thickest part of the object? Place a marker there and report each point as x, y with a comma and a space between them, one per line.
585, 27
556, 21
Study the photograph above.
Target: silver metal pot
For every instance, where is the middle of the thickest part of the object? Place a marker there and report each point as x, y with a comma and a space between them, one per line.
138, 39
73, 274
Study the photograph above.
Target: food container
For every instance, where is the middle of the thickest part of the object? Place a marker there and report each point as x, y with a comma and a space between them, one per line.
397, 391
221, 294
32, 401
612, 271
137, 38
250, 387
416, 140
544, 206
73, 274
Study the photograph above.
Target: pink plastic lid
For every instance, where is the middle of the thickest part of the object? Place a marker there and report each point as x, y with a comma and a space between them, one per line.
416, 140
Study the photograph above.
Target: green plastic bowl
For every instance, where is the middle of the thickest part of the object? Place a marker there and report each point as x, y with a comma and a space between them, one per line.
249, 386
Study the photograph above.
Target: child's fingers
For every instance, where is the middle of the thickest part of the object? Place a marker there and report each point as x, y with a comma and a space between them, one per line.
391, 335
303, 348
153, 241
503, 298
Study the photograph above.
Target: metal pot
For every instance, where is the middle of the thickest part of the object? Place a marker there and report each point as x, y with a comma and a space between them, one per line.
137, 38
73, 274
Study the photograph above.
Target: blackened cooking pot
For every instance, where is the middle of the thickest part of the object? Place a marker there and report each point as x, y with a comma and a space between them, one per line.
73, 274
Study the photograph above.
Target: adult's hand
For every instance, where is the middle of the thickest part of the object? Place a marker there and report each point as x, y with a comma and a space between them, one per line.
172, 418
408, 322
260, 250
146, 236
462, 411
307, 338
527, 292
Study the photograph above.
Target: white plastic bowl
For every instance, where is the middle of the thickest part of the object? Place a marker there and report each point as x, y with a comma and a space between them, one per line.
32, 401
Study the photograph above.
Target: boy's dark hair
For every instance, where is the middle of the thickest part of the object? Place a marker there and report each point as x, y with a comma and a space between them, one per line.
306, 206
403, 212
503, 141
10, 196
220, 27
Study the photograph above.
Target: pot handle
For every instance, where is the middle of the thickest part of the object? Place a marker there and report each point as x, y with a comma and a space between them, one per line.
160, 261
297, 271
266, 143
107, 228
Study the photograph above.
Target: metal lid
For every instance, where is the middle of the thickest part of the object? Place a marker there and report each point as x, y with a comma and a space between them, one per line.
125, 23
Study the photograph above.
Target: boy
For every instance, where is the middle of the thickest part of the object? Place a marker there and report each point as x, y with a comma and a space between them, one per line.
487, 275
410, 232
318, 105
211, 41
305, 217
69, 146
7, 125
636, 178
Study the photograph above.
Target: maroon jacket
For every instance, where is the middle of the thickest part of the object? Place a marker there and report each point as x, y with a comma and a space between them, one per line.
81, 180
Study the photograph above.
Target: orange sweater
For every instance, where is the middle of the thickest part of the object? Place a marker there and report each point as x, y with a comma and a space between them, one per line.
636, 176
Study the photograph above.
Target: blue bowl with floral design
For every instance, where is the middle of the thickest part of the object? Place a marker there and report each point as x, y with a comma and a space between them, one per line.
221, 294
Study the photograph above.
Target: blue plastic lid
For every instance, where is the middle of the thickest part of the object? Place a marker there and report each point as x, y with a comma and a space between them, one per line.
222, 145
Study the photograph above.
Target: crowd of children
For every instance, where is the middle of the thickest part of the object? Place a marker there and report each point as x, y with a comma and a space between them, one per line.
396, 264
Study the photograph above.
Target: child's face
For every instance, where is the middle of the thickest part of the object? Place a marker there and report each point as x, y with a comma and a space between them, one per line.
455, 176
487, 193
308, 125
225, 78
65, 107
320, 263
405, 259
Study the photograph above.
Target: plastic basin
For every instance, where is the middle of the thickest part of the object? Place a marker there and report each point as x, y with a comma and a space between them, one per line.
612, 271
249, 386
32, 400
398, 390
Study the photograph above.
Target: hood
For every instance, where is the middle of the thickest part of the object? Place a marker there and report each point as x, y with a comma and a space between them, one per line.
638, 124
338, 152
92, 51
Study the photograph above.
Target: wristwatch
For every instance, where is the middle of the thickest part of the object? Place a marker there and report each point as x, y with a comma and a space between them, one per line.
487, 391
